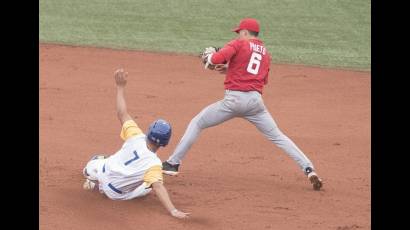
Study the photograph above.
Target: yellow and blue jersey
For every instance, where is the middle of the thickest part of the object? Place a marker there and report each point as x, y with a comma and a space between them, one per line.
134, 164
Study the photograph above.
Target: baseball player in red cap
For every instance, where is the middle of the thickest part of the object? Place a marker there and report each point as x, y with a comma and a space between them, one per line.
246, 66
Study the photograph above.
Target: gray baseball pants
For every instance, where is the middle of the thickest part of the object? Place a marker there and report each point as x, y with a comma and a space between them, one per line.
248, 105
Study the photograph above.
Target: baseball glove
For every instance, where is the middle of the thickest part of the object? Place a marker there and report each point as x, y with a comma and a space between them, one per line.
205, 54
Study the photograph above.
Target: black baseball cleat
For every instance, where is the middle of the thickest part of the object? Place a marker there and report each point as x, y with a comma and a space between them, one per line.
314, 179
170, 169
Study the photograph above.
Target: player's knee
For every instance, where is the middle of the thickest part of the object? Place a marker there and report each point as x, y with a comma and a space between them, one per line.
197, 122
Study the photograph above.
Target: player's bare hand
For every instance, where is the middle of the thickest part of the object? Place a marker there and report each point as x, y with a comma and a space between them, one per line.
221, 68
180, 215
120, 77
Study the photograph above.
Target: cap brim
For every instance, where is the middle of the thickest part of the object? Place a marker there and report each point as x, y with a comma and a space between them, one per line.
236, 30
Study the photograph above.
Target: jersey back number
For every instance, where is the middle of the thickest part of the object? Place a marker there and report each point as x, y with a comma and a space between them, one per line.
254, 63
136, 157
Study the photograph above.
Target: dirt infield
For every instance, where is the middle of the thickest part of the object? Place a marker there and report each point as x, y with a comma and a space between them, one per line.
232, 178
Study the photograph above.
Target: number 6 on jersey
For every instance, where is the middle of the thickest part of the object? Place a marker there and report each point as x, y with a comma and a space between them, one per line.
254, 63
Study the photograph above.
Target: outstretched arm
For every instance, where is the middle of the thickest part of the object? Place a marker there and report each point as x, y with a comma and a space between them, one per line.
121, 80
163, 196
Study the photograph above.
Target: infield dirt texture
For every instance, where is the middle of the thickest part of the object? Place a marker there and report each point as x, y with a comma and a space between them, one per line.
232, 178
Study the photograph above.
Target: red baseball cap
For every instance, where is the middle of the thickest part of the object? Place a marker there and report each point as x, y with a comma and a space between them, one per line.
247, 24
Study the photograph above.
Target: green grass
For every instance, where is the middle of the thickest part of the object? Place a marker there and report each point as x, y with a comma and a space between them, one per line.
332, 33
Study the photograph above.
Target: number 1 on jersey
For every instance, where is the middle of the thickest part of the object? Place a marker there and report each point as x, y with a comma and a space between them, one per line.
254, 63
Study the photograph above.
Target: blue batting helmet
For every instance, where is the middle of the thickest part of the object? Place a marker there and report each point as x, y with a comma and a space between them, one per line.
159, 132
